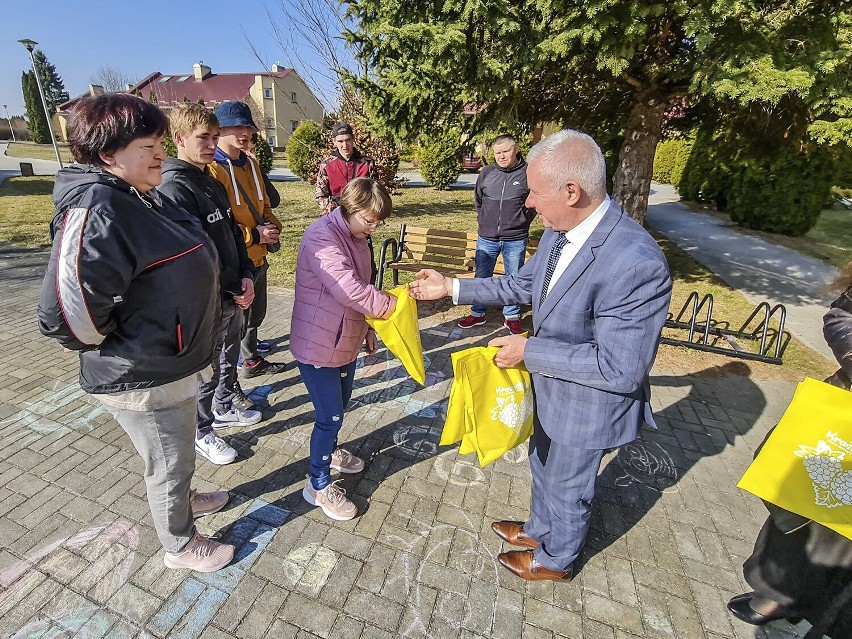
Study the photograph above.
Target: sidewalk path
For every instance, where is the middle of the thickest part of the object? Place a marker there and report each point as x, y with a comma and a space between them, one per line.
40, 167
759, 270
79, 556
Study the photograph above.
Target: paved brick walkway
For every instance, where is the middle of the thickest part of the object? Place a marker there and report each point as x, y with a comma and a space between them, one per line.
79, 557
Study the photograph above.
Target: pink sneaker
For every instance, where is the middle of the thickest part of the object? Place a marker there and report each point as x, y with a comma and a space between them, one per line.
332, 500
345, 462
201, 554
471, 320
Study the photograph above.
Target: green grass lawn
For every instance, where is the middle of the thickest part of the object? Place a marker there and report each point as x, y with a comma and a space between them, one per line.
26, 209
38, 151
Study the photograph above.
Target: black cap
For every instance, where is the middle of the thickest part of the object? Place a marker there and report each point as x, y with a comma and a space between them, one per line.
341, 128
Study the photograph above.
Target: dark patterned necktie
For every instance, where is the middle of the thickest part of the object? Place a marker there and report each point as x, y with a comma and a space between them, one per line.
552, 261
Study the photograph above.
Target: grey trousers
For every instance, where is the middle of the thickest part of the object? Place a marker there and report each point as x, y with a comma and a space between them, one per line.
220, 386
563, 487
160, 422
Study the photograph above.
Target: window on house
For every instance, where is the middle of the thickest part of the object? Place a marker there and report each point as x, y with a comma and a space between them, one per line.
271, 140
293, 98
267, 93
294, 124
270, 123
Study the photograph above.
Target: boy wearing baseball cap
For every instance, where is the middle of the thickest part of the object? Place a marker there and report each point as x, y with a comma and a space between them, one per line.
242, 178
344, 165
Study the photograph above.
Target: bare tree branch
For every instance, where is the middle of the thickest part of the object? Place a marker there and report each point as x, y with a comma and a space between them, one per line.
111, 78
309, 34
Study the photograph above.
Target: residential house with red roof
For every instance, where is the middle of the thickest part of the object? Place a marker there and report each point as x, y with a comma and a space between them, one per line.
279, 99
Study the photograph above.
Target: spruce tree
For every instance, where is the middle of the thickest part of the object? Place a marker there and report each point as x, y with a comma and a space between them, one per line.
614, 68
36, 120
54, 88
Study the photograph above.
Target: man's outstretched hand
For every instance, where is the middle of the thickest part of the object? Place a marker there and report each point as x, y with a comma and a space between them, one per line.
430, 285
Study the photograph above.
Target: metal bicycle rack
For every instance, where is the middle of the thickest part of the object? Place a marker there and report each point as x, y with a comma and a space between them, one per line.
762, 332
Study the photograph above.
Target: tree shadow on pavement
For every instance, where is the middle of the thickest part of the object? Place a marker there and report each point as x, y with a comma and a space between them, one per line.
722, 404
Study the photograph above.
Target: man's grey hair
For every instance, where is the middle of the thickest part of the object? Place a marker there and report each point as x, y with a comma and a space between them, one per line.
571, 156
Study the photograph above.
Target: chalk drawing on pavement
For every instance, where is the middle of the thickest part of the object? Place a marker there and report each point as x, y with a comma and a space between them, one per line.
40, 416
468, 555
419, 442
646, 463
458, 472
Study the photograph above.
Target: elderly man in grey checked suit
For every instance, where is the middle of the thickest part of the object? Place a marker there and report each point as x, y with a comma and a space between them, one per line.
600, 289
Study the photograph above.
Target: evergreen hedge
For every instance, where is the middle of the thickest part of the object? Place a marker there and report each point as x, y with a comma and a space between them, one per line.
670, 160
304, 150
263, 153
440, 159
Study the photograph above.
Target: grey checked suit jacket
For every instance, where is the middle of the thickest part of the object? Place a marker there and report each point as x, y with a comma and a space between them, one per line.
595, 337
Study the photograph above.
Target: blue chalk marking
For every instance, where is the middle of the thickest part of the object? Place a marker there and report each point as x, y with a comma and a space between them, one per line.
176, 606
250, 536
259, 393
268, 513
201, 614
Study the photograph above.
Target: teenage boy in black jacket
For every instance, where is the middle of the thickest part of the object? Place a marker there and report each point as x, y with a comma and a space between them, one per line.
221, 403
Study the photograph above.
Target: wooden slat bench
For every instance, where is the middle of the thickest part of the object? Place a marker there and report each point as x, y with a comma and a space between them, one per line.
451, 253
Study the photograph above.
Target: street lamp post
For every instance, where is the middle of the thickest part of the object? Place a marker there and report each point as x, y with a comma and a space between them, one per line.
9, 120
30, 45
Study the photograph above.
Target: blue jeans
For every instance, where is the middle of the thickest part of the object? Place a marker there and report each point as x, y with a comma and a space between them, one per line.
329, 390
514, 252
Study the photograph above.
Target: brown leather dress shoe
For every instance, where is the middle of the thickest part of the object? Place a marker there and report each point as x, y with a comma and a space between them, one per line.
513, 532
523, 564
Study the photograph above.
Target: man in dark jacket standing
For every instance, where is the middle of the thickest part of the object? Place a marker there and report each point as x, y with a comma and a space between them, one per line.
504, 224
186, 180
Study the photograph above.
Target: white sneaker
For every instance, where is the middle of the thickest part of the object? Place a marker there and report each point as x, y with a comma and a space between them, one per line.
201, 554
345, 462
215, 450
236, 417
332, 500
207, 503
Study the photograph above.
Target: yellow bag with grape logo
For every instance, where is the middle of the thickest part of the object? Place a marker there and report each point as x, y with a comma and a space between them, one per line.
805, 465
491, 408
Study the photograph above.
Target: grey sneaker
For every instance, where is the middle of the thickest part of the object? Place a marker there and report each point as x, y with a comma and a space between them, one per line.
241, 400
235, 417
201, 554
215, 450
207, 503
332, 500
345, 462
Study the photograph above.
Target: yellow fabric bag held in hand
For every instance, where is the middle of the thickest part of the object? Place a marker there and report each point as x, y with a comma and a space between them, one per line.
491, 408
805, 466
401, 334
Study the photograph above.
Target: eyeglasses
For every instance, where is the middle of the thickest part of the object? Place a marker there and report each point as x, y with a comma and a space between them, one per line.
368, 224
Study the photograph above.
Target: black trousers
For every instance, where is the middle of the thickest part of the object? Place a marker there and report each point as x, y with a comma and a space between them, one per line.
254, 315
808, 569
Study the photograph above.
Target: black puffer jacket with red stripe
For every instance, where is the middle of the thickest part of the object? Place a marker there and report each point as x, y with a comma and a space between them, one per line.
132, 283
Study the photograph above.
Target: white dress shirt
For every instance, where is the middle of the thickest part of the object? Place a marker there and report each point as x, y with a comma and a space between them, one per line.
576, 238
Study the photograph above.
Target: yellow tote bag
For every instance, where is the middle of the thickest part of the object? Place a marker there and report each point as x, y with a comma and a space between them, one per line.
457, 423
491, 408
805, 466
401, 334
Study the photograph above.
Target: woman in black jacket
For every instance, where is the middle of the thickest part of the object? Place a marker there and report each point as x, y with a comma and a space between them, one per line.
132, 285
800, 568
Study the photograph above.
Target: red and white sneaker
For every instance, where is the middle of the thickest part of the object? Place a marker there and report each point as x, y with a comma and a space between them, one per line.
472, 320
513, 326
